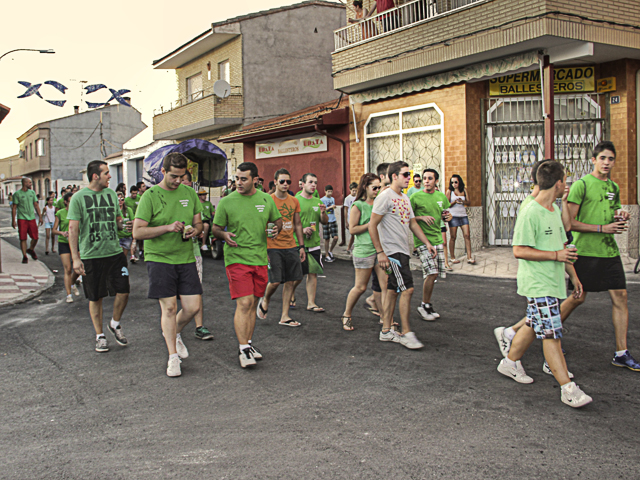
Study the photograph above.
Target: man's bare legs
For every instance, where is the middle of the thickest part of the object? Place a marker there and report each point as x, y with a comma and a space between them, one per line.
427, 287
244, 319
95, 310
620, 317
173, 321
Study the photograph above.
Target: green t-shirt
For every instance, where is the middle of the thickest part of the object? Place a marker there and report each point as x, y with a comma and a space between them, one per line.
310, 213
432, 205
411, 191
96, 213
127, 216
538, 228
208, 210
162, 207
60, 203
24, 204
246, 216
598, 202
63, 224
132, 203
526, 202
362, 245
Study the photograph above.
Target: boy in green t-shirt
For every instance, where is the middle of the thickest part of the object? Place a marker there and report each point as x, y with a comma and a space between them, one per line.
167, 218
430, 208
245, 214
596, 216
208, 212
538, 244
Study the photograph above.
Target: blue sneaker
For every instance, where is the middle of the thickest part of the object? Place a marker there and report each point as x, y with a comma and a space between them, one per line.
627, 361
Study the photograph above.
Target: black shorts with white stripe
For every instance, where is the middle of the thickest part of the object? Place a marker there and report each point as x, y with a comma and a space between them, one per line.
400, 278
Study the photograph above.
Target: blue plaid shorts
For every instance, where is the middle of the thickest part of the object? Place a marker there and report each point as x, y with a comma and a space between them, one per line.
543, 315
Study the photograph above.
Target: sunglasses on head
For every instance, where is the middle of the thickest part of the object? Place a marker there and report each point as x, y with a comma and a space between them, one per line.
282, 182
406, 174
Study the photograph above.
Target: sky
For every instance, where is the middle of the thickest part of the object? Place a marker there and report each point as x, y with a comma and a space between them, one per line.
113, 45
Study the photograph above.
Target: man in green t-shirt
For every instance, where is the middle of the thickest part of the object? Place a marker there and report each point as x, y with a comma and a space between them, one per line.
94, 220
133, 200
168, 217
24, 203
539, 245
60, 202
312, 212
246, 214
208, 211
430, 208
594, 201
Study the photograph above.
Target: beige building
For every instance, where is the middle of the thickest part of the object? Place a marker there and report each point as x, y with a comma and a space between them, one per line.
457, 85
273, 62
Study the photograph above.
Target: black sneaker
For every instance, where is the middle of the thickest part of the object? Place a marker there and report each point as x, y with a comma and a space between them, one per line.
32, 253
202, 333
25, 259
119, 336
626, 361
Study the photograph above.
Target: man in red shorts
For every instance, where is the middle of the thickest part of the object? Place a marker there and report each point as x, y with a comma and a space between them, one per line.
245, 213
24, 202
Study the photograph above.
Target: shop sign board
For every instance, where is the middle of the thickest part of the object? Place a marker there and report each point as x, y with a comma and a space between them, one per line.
292, 145
566, 80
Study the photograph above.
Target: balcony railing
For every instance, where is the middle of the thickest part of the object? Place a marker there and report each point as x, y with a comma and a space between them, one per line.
207, 92
395, 19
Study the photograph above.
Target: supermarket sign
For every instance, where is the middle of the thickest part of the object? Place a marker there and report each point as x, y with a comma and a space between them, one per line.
565, 80
294, 145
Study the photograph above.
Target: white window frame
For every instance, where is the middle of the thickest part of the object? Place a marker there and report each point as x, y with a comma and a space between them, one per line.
40, 147
191, 95
402, 131
227, 76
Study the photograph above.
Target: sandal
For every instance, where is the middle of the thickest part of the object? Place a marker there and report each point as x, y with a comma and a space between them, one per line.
455, 261
289, 323
316, 309
471, 261
292, 303
260, 309
448, 268
348, 326
371, 309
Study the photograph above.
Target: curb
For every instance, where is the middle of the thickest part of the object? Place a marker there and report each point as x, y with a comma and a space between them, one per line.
36, 293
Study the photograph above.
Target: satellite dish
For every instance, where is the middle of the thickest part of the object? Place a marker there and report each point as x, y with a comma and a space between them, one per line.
221, 89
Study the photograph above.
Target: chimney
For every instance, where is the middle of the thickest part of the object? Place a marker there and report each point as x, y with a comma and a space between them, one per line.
76, 109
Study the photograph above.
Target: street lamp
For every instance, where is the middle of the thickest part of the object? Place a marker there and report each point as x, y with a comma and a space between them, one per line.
48, 50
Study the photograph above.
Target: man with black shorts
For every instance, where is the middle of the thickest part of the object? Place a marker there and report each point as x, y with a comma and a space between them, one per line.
24, 203
392, 222
312, 213
168, 217
246, 214
285, 258
94, 220
594, 202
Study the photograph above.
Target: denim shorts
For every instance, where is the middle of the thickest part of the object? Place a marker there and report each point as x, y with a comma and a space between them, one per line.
48, 225
543, 315
458, 221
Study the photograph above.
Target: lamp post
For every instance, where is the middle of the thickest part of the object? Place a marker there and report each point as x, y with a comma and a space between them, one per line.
49, 50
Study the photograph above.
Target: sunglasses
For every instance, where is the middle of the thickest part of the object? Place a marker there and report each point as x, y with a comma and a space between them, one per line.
375, 189
282, 182
406, 174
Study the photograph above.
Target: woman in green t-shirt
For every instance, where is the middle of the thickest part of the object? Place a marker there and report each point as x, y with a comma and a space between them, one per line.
61, 228
364, 253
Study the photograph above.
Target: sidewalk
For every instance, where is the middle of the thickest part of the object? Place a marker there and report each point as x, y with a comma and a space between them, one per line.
492, 262
20, 282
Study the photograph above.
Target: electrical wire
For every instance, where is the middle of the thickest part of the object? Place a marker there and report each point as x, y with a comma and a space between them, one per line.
496, 27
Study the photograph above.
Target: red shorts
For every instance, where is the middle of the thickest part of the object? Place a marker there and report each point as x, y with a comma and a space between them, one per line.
27, 227
247, 280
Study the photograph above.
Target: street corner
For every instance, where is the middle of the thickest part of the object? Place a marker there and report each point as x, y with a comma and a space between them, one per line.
21, 282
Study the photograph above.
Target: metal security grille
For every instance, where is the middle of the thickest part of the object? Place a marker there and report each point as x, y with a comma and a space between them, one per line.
514, 141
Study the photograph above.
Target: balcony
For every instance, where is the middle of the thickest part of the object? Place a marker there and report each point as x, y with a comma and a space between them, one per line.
396, 19
424, 38
197, 114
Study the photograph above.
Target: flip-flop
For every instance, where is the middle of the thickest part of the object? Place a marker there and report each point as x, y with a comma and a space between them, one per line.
455, 260
371, 309
292, 303
448, 268
316, 309
472, 261
290, 323
260, 309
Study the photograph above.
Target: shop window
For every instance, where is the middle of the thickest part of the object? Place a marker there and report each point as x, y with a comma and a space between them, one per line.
194, 87
414, 135
40, 147
223, 71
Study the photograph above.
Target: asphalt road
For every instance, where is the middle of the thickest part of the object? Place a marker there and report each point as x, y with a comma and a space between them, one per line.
323, 403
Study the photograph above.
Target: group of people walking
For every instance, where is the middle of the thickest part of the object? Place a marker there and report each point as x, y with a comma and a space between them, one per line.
274, 239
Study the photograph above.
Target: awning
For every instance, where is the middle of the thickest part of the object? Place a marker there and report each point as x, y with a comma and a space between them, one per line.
466, 74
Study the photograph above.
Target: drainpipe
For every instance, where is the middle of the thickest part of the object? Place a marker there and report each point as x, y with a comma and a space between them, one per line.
345, 184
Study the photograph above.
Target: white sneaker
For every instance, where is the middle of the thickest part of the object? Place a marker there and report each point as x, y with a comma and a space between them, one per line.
256, 353
75, 291
181, 348
410, 341
503, 342
518, 374
173, 367
573, 396
547, 369
204, 248
425, 314
69, 298
246, 358
390, 336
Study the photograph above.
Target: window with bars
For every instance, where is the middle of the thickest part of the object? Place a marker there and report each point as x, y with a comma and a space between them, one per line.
414, 135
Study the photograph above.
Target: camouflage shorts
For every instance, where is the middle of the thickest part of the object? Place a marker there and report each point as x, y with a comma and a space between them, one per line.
543, 315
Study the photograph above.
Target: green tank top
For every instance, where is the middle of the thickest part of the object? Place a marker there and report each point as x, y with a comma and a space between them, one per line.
362, 245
